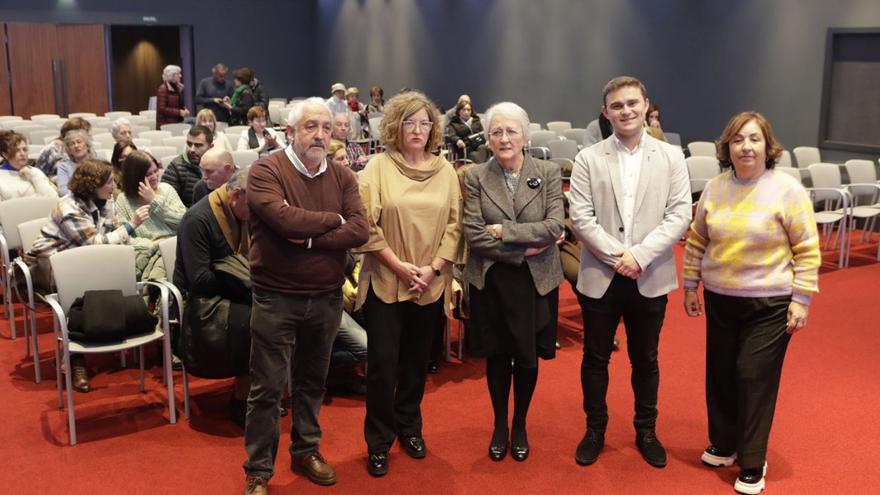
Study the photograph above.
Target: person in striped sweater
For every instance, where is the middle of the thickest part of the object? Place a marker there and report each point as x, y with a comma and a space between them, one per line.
754, 245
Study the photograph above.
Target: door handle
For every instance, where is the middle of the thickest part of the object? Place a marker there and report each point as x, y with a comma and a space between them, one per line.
55, 86
64, 87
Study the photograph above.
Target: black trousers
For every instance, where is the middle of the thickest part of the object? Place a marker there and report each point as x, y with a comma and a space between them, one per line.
399, 338
643, 318
745, 348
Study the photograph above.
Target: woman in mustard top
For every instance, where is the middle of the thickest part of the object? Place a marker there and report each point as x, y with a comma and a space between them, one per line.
412, 200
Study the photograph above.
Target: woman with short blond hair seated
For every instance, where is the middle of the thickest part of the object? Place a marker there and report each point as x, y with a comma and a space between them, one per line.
207, 118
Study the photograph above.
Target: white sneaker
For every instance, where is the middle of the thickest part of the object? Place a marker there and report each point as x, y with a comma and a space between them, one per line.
713, 456
748, 484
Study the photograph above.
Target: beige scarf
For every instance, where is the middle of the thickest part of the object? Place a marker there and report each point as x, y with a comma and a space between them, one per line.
234, 231
413, 173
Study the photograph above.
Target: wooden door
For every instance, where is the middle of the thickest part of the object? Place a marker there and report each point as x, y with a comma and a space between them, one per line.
83, 52
137, 56
33, 60
5, 99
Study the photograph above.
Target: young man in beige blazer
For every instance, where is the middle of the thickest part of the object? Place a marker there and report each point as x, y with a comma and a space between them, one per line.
630, 202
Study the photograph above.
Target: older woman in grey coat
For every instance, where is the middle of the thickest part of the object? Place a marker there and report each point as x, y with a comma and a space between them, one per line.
513, 218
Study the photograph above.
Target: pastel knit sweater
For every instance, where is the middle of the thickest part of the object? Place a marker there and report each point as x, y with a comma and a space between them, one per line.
754, 238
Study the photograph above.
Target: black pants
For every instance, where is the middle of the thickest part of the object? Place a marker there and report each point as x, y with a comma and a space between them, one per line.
745, 347
643, 318
399, 337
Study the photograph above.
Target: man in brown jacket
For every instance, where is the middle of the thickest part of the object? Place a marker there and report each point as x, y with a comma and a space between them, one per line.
305, 214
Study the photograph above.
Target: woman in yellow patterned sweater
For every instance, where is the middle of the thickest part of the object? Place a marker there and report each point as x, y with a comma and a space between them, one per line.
754, 245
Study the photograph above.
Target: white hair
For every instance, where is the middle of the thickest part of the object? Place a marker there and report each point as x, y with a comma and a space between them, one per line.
117, 125
508, 109
170, 71
297, 111
239, 179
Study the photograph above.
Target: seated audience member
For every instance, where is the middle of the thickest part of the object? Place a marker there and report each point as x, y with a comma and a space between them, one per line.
184, 171
336, 153
213, 237
141, 187
242, 98
170, 108
17, 178
121, 150
79, 149
349, 355
217, 168
56, 151
212, 91
453, 111
258, 137
357, 159
357, 113
652, 123
377, 101
85, 217
121, 130
206, 118
465, 134
336, 103
597, 130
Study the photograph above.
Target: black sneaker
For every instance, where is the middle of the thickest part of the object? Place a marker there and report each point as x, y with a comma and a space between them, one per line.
588, 449
651, 448
751, 481
715, 457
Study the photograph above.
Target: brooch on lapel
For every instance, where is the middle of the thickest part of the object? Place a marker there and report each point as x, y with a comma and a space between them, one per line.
533, 182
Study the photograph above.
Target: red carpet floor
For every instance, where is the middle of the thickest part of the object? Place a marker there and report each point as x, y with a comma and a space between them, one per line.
824, 437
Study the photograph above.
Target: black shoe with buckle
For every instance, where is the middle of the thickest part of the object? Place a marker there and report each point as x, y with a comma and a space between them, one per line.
498, 444
414, 446
519, 445
651, 448
588, 449
377, 464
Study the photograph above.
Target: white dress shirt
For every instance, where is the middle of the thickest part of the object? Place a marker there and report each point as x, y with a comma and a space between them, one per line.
630, 163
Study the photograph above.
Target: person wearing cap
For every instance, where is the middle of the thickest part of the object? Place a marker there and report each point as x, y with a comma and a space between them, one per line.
336, 103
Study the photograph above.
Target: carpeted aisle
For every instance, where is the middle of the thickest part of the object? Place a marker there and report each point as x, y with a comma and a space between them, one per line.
823, 438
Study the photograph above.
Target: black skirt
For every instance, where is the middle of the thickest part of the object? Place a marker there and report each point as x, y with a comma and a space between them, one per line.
509, 317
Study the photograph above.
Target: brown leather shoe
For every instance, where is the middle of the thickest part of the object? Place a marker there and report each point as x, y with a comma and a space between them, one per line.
315, 467
256, 485
80, 377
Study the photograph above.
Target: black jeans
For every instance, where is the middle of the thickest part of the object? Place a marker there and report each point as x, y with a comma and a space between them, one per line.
399, 337
643, 318
281, 323
745, 348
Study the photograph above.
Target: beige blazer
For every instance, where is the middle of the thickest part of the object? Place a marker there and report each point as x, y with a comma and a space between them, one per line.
661, 213
534, 218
